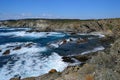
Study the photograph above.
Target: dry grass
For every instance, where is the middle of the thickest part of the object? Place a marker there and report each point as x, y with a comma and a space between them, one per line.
89, 77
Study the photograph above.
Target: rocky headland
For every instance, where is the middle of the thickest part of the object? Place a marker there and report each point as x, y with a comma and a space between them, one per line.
101, 65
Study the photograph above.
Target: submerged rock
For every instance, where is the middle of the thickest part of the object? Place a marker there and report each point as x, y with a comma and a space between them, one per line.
6, 52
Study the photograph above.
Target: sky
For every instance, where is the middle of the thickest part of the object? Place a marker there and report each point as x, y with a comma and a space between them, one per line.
71, 9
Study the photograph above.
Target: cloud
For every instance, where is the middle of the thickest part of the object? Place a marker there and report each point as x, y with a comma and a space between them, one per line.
4, 16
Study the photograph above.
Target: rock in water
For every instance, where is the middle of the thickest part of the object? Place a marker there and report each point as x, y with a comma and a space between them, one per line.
71, 39
52, 71
81, 58
29, 45
17, 48
81, 40
68, 59
64, 41
6, 52
0, 50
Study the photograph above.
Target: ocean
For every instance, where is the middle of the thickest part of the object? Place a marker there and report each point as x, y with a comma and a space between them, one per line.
35, 53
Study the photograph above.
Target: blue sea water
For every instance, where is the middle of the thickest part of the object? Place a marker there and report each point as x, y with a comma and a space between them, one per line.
40, 51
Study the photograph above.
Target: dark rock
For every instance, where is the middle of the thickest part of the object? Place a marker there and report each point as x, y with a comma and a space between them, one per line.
52, 71
17, 48
15, 79
71, 39
82, 64
28, 45
9, 46
33, 30
82, 58
64, 41
81, 40
0, 50
73, 33
6, 52
68, 59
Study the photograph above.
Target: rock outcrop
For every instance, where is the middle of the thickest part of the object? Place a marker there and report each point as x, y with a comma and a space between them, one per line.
6, 52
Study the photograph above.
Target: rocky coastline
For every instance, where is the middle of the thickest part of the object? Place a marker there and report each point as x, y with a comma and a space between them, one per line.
65, 25
101, 65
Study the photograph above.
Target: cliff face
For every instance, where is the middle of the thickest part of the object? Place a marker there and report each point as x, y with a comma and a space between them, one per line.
64, 24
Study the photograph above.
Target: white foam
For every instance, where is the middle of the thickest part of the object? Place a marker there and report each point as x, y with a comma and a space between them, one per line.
33, 66
33, 34
29, 61
8, 46
11, 46
94, 50
54, 45
93, 33
7, 28
98, 34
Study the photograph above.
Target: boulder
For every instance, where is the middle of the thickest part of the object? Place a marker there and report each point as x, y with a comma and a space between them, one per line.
52, 71
68, 59
82, 58
6, 52
17, 48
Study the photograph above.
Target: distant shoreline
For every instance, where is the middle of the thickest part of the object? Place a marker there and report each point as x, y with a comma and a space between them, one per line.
65, 25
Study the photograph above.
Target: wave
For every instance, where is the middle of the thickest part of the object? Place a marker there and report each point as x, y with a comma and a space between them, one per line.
27, 62
94, 50
31, 48
99, 34
33, 34
13, 29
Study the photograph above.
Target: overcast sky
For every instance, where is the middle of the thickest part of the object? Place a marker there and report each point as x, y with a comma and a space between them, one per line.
80, 9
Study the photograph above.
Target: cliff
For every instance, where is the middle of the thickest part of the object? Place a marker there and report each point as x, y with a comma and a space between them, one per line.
74, 25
